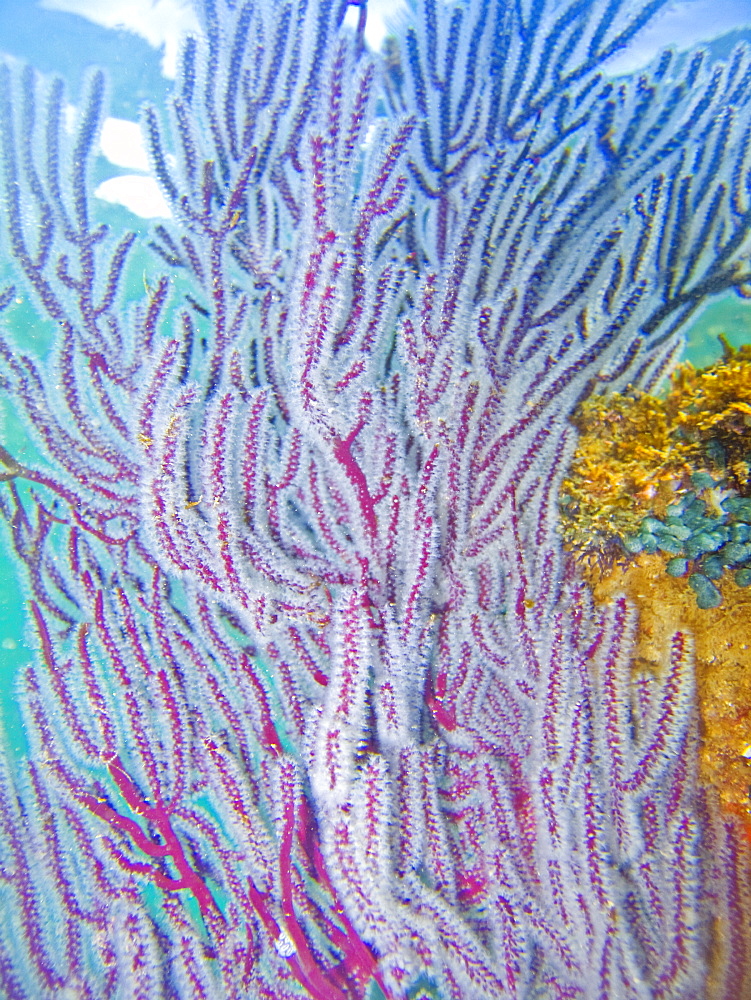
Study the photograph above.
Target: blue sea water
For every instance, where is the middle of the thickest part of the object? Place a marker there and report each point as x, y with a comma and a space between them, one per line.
66, 43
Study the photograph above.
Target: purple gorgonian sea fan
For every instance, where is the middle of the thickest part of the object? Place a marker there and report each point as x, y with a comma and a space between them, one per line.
319, 708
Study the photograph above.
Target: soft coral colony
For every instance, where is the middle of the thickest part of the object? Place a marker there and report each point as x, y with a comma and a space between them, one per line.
321, 708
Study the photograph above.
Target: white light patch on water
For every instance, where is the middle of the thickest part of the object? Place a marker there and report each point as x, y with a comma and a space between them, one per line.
162, 23
122, 143
137, 192
382, 14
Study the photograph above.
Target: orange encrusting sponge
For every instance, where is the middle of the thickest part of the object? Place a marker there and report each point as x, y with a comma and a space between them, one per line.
722, 638
657, 505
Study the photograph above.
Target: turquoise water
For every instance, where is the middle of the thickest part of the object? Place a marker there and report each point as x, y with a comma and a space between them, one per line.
730, 316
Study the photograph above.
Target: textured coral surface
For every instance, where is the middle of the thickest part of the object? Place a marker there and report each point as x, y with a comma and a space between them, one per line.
319, 706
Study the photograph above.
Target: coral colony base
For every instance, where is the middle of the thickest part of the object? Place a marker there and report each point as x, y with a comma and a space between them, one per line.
321, 707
